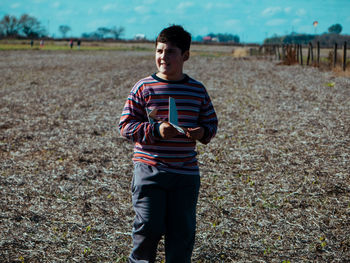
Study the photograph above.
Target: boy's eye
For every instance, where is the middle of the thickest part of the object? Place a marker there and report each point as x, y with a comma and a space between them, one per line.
167, 51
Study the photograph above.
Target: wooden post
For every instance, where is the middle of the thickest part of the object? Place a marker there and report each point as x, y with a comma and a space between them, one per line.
301, 54
283, 53
275, 48
335, 55
344, 57
278, 52
297, 52
308, 56
312, 53
318, 53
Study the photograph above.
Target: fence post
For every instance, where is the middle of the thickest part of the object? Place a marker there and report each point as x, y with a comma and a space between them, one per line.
301, 54
318, 53
344, 57
308, 55
276, 52
297, 52
312, 53
335, 55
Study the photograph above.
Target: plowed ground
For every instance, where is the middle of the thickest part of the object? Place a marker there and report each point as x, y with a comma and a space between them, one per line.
275, 179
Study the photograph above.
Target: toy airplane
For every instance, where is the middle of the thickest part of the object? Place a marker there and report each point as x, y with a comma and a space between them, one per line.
173, 118
151, 114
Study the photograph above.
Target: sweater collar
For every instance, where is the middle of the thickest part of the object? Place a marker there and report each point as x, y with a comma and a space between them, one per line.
184, 80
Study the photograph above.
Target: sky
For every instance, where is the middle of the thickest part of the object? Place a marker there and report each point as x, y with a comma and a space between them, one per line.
251, 20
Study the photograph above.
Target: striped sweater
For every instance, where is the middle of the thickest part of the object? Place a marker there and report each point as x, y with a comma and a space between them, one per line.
194, 109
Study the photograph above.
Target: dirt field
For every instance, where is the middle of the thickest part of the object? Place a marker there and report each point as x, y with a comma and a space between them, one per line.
275, 180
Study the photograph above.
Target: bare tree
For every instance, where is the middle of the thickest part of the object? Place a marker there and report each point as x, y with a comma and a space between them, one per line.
10, 26
26, 25
64, 29
30, 26
103, 31
117, 32
335, 29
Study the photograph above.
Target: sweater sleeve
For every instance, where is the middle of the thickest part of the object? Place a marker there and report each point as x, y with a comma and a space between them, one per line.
208, 120
134, 124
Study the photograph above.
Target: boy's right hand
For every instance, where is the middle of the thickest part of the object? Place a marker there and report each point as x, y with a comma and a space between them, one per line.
167, 131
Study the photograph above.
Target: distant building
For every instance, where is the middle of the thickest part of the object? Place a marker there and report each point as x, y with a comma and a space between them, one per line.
210, 39
207, 39
140, 37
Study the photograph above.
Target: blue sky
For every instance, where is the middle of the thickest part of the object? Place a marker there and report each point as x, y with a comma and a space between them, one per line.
251, 20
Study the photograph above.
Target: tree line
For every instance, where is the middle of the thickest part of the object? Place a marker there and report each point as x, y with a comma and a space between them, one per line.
24, 26
100, 33
27, 26
326, 39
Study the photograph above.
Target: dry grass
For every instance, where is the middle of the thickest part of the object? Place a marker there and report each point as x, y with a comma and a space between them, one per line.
275, 180
339, 72
290, 57
240, 52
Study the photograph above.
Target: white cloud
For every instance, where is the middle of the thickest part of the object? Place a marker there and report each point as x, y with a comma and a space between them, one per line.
56, 4
109, 7
296, 21
287, 10
139, 20
141, 9
15, 5
276, 22
39, 1
270, 11
210, 6
149, 2
131, 20
65, 13
301, 12
232, 22
184, 5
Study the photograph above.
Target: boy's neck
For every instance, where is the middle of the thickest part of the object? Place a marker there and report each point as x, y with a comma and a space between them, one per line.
170, 78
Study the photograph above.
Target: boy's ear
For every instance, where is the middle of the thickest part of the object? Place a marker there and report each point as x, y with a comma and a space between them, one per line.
186, 55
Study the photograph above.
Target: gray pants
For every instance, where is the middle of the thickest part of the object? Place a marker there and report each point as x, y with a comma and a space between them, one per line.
165, 204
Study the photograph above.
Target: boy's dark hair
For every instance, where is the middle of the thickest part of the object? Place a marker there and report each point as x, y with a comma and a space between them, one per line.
175, 35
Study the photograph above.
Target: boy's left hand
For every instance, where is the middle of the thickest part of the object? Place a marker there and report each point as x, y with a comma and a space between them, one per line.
195, 133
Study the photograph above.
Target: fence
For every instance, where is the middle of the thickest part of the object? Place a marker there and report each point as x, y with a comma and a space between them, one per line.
294, 54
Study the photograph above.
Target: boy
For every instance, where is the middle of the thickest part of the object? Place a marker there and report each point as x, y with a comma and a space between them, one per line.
166, 180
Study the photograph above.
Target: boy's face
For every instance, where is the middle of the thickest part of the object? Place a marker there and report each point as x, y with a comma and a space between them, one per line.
169, 61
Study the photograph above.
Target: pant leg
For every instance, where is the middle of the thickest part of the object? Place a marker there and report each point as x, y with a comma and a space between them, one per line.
149, 202
181, 223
